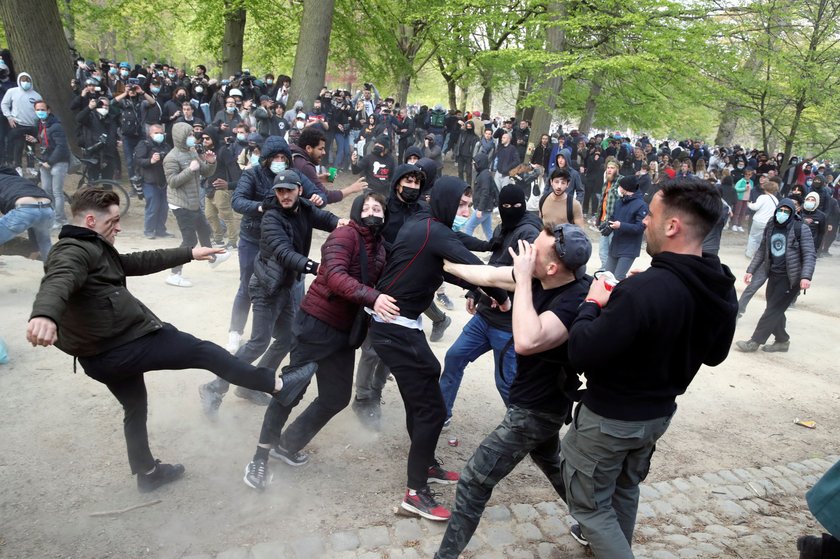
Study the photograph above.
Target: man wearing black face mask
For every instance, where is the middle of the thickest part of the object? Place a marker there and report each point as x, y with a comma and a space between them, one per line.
377, 166
787, 258
489, 328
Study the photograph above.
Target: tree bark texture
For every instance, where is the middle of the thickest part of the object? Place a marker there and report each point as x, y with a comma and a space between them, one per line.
556, 42
312, 51
590, 107
38, 46
235, 17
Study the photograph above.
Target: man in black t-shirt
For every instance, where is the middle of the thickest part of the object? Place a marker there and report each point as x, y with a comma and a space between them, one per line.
548, 279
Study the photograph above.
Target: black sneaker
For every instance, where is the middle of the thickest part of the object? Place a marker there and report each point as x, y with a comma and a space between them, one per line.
578, 535
444, 300
809, 547
253, 396
438, 328
161, 475
257, 475
296, 459
369, 413
210, 401
295, 381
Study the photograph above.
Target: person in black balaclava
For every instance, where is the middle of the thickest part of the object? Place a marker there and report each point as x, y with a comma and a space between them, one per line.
377, 166
490, 328
787, 257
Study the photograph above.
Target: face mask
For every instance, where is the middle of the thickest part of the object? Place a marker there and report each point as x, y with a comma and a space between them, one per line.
112, 71
102, 110
810, 205
377, 150
782, 217
278, 167
299, 125
459, 222
41, 115
809, 182
269, 81
374, 223
410, 195
26, 86
181, 97
97, 79
171, 76
240, 137
124, 73
190, 141
199, 89
155, 90
158, 138
230, 109
255, 160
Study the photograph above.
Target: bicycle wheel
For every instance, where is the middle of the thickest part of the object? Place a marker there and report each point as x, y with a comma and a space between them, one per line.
107, 184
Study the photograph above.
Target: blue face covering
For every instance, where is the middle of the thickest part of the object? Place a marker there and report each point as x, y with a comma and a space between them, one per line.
41, 115
782, 217
190, 141
255, 159
155, 90
26, 86
459, 222
158, 138
278, 167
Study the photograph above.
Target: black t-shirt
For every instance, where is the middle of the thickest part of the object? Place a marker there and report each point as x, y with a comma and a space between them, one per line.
778, 246
540, 378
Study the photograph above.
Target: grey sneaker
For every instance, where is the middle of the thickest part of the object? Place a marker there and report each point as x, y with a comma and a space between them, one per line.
253, 396
210, 401
776, 347
257, 475
292, 459
438, 328
748, 346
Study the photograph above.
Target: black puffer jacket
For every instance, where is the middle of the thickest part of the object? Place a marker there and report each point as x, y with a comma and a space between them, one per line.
254, 186
285, 242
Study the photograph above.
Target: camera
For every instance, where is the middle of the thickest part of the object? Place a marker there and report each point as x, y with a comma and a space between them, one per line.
605, 229
133, 81
98, 145
199, 148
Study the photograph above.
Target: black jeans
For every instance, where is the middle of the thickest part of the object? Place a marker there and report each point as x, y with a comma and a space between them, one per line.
465, 169
779, 296
590, 198
121, 370
522, 432
317, 341
417, 372
194, 228
15, 142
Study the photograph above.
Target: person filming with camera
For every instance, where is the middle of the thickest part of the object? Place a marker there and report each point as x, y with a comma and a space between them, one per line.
98, 124
148, 157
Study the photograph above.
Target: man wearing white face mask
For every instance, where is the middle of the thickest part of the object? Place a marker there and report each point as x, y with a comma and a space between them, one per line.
148, 158
19, 109
184, 168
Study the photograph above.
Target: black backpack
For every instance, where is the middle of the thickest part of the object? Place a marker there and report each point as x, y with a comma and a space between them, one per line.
130, 120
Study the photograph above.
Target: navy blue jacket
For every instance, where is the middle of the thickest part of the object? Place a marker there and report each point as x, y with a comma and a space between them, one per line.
627, 239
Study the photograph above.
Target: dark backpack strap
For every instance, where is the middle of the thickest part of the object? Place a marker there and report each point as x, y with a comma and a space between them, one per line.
570, 206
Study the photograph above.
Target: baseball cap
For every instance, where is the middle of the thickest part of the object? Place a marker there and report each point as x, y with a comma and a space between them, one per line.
289, 180
573, 247
301, 116
124, 65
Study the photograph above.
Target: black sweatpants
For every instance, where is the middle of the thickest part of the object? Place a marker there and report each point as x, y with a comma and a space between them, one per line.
121, 370
779, 297
317, 341
417, 372
194, 228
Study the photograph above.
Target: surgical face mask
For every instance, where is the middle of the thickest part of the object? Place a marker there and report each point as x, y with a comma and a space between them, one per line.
158, 138
782, 217
810, 205
255, 160
240, 137
26, 86
269, 81
230, 109
102, 110
374, 223
190, 141
41, 114
278, 166
410, 195
155, 90
459, 222
124, 73
199, 89
171, 75
112, 71
299, 125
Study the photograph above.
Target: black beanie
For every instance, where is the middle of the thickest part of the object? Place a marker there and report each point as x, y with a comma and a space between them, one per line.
630, 183
383, 140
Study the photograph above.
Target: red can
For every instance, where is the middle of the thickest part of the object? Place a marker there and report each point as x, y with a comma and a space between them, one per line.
453, 442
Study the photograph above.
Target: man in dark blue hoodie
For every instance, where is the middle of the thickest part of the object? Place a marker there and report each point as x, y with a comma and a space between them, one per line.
412, 276
562, 161
686, 301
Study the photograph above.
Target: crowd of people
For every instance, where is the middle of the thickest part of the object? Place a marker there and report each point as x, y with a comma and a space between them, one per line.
243, 171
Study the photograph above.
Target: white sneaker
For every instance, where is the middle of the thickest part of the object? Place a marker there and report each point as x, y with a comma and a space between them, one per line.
178, 281
735, 228
234, 338
221, 257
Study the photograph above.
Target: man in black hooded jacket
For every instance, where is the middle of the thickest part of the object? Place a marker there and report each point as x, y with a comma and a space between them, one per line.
412, 276
687, 301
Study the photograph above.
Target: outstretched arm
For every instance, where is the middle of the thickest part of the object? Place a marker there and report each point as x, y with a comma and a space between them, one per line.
484, 276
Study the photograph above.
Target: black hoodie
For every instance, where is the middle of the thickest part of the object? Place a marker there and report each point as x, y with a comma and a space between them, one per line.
686, 303
398, 210
415, 264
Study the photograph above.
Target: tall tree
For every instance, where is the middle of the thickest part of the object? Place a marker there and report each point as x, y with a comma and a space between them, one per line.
39, 47
312, 50
234, 37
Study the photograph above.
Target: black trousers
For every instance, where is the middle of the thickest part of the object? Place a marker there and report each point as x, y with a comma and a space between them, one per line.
121, 370
417, 372
15, 142
779, 297
316, 341
465, 169
194, 229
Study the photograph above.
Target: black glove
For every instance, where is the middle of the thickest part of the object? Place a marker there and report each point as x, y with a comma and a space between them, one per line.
605, 228
311, 267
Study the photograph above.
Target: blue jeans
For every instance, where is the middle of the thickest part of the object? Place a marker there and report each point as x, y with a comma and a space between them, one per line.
39, 220
52, 181
247, 251
129, 145
341, 150
604, 251
486, 222
157, 210
477, 338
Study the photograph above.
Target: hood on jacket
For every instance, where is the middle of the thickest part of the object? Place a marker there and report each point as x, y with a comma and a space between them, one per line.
274, 145
180, 132
430, 169
446, 198
356, 210
566, 153
791, 205
402, 171
22, 74
413, 150
481, 161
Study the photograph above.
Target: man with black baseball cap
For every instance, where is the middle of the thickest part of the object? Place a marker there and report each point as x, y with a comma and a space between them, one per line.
548, 277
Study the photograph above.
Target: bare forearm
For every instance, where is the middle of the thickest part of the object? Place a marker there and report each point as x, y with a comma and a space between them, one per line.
525, 321
484, 276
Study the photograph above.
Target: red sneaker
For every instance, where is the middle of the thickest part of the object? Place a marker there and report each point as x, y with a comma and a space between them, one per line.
424, 504
438, 475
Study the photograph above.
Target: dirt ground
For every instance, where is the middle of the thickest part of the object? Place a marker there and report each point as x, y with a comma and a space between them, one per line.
63, 453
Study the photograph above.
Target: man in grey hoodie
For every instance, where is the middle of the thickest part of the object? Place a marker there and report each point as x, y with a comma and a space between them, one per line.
19, 109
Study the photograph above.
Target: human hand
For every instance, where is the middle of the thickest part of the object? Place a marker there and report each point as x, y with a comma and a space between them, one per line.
220, 184
804, 284
205, 253
194, 165
358, 186
155, 157
176, 114
524, 262
615, 224
209, 157
41, 331
343, 222
92, 104
385, 306
478, 214
45, 165
317, 200
470, 305
504, 307
30, 139
354, 158
323, 177
599, 291
747, 278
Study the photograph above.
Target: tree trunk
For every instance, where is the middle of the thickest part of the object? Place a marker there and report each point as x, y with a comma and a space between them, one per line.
556, 43
591, 104
234, 36
794, 126
521, 92
465, 92
528, 114
486, 97
33, 29
452, 91
403, 85
69, 23
313, 49
729, 115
